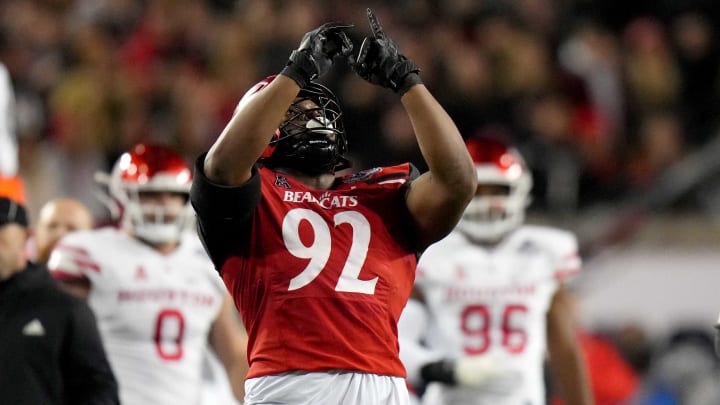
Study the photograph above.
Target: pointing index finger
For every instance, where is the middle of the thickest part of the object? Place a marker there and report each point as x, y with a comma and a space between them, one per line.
375, 25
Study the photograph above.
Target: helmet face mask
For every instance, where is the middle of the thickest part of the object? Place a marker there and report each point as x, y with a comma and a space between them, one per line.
311, 139
503, 194
151, 185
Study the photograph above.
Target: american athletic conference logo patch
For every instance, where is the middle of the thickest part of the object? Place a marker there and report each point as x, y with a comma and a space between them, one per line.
281, 181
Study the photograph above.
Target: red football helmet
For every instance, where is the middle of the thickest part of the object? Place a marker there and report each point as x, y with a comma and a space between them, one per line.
151, 168
500, 168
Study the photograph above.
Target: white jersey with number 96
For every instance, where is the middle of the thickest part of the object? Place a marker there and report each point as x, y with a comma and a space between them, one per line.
494, 302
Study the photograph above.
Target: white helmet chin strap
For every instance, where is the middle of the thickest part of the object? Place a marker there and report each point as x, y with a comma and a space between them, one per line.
158, 233
156, 230
491, 230
490, 218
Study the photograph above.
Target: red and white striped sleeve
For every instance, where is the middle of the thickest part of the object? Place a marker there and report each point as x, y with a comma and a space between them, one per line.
71, 262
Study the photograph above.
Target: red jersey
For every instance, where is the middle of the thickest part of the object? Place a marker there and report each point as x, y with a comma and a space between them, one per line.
323, 275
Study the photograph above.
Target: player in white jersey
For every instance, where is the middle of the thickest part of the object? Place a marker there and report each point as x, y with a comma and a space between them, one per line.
489, 300
155, 293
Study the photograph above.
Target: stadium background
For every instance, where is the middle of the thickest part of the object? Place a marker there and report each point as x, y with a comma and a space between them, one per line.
613, 103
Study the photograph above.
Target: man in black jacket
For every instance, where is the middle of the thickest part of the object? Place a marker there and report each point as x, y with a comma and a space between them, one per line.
50, 348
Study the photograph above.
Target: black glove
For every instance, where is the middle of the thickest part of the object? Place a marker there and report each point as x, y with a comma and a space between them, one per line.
380, 62
314, 57
441, 371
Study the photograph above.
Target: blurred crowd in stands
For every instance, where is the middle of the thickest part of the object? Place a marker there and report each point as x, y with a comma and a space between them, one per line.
600, 96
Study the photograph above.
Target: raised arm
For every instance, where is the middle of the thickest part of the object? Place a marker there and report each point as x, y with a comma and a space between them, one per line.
437, 199
245, 137
230, 159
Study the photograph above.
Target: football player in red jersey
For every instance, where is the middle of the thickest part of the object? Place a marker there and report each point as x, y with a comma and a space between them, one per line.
320, 266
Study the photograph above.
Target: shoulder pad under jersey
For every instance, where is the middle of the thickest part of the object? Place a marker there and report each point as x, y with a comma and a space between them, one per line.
562, 245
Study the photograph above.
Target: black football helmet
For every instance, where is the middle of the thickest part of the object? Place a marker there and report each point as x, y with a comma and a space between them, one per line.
312, 137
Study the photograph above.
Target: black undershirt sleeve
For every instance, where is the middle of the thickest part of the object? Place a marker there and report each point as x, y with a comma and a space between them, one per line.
224, 213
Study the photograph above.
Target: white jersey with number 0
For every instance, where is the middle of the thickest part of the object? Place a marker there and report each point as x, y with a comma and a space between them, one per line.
154, 311
494, 302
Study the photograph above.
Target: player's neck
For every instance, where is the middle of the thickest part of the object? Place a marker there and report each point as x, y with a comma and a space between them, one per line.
166, 248
320, 182
489, 244
485, 242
